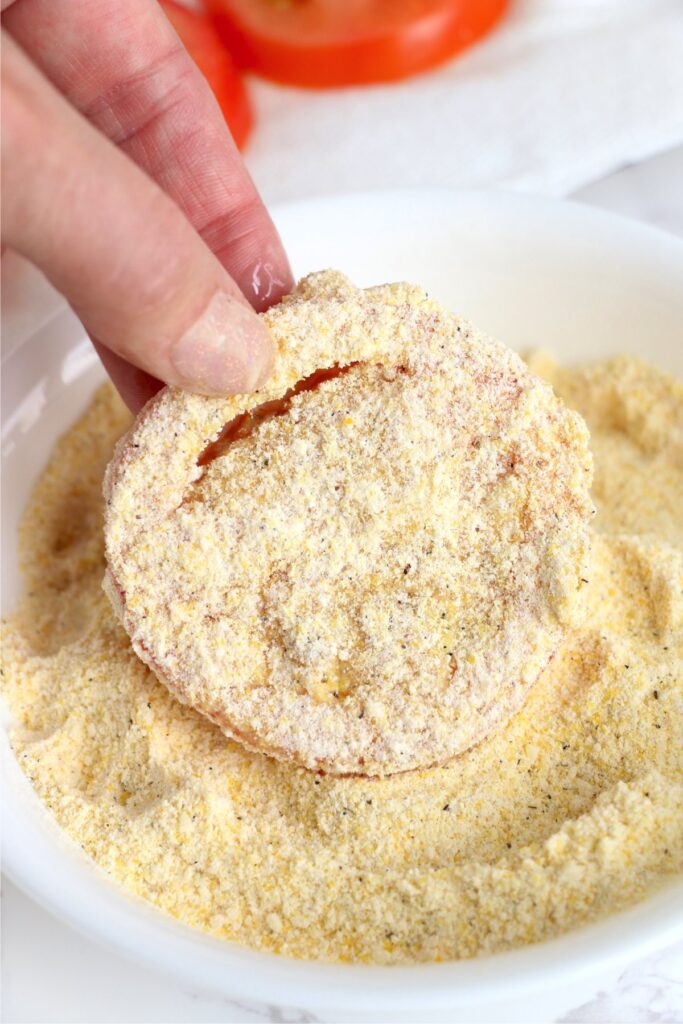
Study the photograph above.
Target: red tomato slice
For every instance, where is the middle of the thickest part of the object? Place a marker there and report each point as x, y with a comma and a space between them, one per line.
320, 43
204, 45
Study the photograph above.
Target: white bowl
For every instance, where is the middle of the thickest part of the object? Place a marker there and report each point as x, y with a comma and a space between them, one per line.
532, 272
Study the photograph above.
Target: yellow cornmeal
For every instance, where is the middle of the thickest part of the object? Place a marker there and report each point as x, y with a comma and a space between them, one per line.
574, 810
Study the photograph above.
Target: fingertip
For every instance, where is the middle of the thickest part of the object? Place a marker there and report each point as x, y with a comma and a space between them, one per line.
227, 350
246, 242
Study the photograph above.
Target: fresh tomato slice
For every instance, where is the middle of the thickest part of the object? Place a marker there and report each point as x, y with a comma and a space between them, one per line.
204, 45
319, 43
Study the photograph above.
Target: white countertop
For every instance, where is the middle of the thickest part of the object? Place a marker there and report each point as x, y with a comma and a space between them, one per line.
50, 974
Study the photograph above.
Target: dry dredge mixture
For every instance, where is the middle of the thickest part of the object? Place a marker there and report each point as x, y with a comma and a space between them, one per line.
573, 810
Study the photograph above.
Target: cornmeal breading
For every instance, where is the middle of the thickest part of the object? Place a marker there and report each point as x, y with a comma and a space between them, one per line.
571, 811
369, 576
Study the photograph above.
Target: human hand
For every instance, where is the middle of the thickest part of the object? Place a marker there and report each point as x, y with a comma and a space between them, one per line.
121, 182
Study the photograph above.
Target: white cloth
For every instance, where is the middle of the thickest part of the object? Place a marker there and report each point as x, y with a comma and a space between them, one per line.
562, 92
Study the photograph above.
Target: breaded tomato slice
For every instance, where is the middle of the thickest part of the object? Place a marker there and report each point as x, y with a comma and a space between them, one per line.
364, 567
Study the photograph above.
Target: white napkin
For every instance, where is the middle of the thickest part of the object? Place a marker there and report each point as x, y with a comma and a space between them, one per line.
562, 92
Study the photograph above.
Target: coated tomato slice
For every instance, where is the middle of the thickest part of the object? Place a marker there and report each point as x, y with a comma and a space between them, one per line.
204, 45
319, 43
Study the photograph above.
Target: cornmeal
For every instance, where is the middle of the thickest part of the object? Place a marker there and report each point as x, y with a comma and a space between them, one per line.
571, 811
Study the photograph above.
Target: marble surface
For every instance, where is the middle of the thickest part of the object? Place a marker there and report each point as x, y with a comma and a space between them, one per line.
49, 973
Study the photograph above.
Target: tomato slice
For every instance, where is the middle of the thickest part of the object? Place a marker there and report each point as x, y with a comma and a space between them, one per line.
204, 45
319, 43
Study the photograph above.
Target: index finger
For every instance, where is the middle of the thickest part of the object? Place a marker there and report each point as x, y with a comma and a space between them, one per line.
123, 66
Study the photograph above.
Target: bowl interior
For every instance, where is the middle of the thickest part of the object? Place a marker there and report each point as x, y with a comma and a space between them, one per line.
580, 283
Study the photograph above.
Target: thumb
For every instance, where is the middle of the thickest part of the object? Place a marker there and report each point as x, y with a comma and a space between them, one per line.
133, 268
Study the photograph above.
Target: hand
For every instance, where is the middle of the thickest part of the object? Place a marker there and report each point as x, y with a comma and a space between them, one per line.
121, 182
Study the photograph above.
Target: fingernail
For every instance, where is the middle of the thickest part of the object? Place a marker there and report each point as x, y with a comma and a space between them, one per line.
226, 351
268, 284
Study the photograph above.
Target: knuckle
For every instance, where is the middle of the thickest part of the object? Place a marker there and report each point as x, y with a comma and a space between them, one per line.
135, 104
242, 225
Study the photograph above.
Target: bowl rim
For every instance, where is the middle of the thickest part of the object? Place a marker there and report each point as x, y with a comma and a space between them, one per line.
50, 868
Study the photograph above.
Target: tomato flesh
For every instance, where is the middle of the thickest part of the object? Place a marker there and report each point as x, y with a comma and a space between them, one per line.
322, 43
204, 45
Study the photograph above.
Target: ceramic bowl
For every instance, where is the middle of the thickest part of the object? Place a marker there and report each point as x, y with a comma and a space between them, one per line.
579, 282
